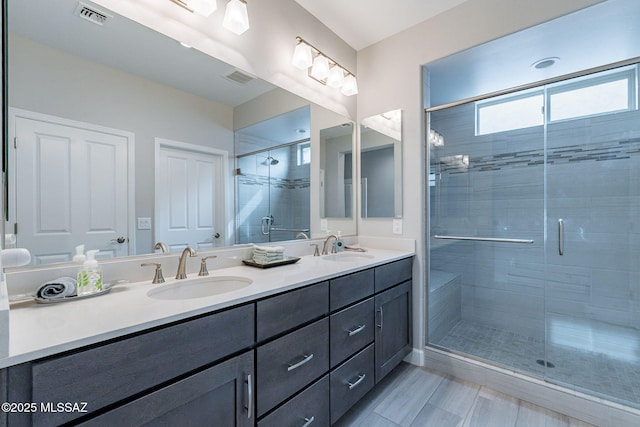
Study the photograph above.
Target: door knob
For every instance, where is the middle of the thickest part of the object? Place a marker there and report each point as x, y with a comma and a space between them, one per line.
120, 240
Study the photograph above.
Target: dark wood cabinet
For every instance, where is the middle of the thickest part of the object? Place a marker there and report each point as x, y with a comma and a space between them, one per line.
290, 363
302, 357
393, 328
221, 395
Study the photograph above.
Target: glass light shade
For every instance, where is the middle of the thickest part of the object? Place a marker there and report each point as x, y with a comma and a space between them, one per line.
350, 85
302, 56
203, 7
236, 18
336, 77
320, 68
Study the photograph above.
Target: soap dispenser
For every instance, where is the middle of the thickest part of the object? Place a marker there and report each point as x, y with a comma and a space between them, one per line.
339, 243
90, 275
79, 257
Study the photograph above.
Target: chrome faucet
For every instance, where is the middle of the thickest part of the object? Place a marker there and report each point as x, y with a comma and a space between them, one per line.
326, 241
182, 265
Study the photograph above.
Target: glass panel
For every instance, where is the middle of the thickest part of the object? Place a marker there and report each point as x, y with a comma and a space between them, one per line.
593, 292
512, 112
486, 298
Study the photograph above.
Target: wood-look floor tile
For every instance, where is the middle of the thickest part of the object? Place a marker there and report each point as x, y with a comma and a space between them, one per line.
492, 409
405, 401
432, 416
455, 396
530, 415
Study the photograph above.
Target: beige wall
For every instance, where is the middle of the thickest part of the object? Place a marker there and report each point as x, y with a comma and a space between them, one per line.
390, 77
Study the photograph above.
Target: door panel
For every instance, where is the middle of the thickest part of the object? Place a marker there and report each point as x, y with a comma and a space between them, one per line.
189, 197
71, 189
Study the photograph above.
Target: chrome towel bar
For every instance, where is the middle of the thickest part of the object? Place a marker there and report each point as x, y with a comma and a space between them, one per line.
484, 239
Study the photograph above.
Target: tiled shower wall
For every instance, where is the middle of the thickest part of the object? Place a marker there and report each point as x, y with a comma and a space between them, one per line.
593, 184
285, 195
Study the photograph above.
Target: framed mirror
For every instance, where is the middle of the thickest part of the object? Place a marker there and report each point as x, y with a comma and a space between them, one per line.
103, 110
381, 165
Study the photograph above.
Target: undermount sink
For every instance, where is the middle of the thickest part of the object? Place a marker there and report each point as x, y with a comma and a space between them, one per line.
347, 257
198, 288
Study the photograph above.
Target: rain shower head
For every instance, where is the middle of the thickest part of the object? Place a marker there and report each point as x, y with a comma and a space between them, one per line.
270, 161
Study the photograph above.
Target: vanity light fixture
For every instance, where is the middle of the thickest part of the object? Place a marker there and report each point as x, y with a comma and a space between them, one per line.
201, 7
236, 18
322, 68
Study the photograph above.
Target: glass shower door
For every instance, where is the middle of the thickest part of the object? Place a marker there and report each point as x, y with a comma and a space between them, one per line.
593, 266
486, 213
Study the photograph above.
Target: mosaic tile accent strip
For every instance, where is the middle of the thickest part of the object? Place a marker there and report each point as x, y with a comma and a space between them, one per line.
606, 151
260, 180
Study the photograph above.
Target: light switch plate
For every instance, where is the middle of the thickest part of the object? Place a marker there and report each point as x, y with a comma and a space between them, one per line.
397, 226
144, 223
323, 225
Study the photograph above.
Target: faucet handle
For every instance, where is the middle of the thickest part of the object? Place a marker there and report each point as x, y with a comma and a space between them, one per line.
316, 251
203, 265
157, 278
333, 248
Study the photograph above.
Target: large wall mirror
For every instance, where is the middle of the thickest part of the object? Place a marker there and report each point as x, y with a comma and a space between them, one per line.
124, 137
381, 165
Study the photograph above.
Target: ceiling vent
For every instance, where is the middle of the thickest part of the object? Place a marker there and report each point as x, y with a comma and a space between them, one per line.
91, 14
240, 77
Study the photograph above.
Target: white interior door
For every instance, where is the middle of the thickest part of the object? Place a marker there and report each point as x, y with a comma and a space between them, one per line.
190, 197
70, 187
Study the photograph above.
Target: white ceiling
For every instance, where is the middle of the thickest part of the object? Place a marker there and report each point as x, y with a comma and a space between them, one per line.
364, 22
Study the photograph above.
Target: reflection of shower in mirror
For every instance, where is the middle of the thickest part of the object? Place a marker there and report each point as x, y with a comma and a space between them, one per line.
270, 161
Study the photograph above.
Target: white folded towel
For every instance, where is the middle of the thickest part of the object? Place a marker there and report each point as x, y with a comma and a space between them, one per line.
62, 287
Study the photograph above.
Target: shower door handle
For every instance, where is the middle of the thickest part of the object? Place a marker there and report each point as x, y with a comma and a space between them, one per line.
266, 220
561, 237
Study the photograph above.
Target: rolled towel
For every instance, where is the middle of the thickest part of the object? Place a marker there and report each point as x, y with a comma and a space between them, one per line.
269, 249
62, 287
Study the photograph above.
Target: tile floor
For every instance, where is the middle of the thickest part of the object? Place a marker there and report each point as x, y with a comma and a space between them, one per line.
612, 378
418, 397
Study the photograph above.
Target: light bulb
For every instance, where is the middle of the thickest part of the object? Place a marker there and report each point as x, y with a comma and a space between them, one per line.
350, 85
236, 18
336, 77
302, 56
320, 68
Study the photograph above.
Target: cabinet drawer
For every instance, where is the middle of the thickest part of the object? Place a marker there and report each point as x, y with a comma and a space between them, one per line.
349, 289
222, 393
288, 364
351, 330
109, 373
311, 407
287, 311
393, 273
351, 381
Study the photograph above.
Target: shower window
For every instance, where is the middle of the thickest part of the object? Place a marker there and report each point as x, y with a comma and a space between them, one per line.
605, 93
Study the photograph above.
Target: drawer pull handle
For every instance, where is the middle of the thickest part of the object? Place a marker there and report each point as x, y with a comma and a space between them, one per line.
249, 396
357, 330
355, 384
306, 358
308, 421
381, 324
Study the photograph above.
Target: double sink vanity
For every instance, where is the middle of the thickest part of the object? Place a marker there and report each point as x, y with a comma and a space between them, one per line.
294, 345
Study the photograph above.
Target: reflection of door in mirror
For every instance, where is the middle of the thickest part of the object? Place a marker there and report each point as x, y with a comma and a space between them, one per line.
190, 184
70, 187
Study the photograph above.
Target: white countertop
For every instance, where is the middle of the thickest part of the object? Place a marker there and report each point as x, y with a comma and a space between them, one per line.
39, 330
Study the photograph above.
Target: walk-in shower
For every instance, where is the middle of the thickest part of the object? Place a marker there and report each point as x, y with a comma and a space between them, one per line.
534, 261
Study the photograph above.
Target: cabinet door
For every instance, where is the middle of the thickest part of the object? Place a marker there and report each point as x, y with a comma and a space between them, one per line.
220, 396
393, 328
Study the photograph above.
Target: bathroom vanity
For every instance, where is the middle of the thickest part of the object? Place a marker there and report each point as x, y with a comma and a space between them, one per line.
298, 354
